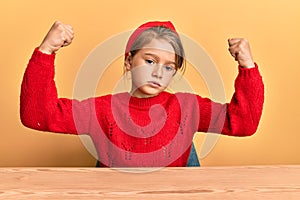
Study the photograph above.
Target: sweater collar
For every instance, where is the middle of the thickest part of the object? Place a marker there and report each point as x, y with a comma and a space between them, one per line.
144, 102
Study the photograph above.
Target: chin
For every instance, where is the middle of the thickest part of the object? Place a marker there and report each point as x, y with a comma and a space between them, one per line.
146, 92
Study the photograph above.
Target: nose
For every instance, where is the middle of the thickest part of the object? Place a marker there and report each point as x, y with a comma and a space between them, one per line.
157, 71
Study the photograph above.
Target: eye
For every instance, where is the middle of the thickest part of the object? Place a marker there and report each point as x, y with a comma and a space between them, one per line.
149, 61
169, 68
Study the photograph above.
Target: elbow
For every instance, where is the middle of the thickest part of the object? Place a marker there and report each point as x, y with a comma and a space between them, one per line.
245, 126
250, 126
30, 121
250, 131
27, 122
32, 115
246, 130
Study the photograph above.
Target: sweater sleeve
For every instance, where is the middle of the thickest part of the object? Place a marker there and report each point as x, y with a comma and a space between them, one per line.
241, 116
40, 107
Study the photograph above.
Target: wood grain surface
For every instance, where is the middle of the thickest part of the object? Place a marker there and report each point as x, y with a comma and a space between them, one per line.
244, 182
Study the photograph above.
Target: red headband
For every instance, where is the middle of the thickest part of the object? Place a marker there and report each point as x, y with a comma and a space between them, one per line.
144, 27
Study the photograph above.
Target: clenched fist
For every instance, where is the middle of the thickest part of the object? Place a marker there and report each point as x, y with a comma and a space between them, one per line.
59, 35
239, 48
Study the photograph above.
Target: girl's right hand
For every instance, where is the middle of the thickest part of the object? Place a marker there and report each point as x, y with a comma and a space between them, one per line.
59, 35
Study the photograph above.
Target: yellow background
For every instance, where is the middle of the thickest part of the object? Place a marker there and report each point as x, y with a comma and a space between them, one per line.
271, 26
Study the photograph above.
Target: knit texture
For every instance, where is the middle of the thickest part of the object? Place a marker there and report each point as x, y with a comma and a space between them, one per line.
137, 32
138, 132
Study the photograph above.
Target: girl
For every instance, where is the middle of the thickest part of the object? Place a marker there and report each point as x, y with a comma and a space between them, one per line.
147, 126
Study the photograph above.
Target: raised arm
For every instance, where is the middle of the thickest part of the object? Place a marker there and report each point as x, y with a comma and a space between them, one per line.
241, 116
40, 107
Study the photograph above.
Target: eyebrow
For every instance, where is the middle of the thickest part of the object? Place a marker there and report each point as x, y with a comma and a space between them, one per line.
157, 57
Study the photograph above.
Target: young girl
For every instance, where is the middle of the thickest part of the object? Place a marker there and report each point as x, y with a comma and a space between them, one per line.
147, 126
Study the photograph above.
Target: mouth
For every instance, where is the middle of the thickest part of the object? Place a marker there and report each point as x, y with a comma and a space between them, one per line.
154, 84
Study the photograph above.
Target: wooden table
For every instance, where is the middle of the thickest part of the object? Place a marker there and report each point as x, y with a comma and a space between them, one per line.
247, 182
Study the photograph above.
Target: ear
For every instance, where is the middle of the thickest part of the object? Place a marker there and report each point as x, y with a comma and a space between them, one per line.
128, 62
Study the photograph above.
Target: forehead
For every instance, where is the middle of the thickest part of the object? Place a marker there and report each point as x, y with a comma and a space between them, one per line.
159, 45
160, 49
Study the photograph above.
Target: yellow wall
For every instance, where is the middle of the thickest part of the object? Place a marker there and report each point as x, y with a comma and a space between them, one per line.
271, 26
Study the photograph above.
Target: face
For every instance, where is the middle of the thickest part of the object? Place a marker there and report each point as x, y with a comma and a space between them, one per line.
152, 68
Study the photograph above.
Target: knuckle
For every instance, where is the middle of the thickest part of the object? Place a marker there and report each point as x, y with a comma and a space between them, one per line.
60, 27
244, 41
70, 27
57, 23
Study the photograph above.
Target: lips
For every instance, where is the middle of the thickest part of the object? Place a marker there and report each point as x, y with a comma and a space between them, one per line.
154, 84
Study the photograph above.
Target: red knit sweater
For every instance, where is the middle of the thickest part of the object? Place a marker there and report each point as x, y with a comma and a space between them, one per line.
137, 132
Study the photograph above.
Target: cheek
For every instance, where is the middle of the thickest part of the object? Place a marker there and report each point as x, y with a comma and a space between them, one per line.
166, 80
141, 74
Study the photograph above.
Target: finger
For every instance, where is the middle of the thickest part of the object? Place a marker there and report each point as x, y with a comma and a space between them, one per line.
66, 39
234, 49
235, 54
68, 31
66, 43
69, 28
234, 46
60, 27
69, 34
232, 41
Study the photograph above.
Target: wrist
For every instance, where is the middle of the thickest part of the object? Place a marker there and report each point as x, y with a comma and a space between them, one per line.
247, 65
241, 68
45, 49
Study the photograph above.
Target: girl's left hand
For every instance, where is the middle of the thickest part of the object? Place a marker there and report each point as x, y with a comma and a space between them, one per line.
239, 48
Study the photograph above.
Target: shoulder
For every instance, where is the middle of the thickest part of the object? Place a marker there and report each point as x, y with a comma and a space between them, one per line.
108, 98
98, 101
187, 97
191, 100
